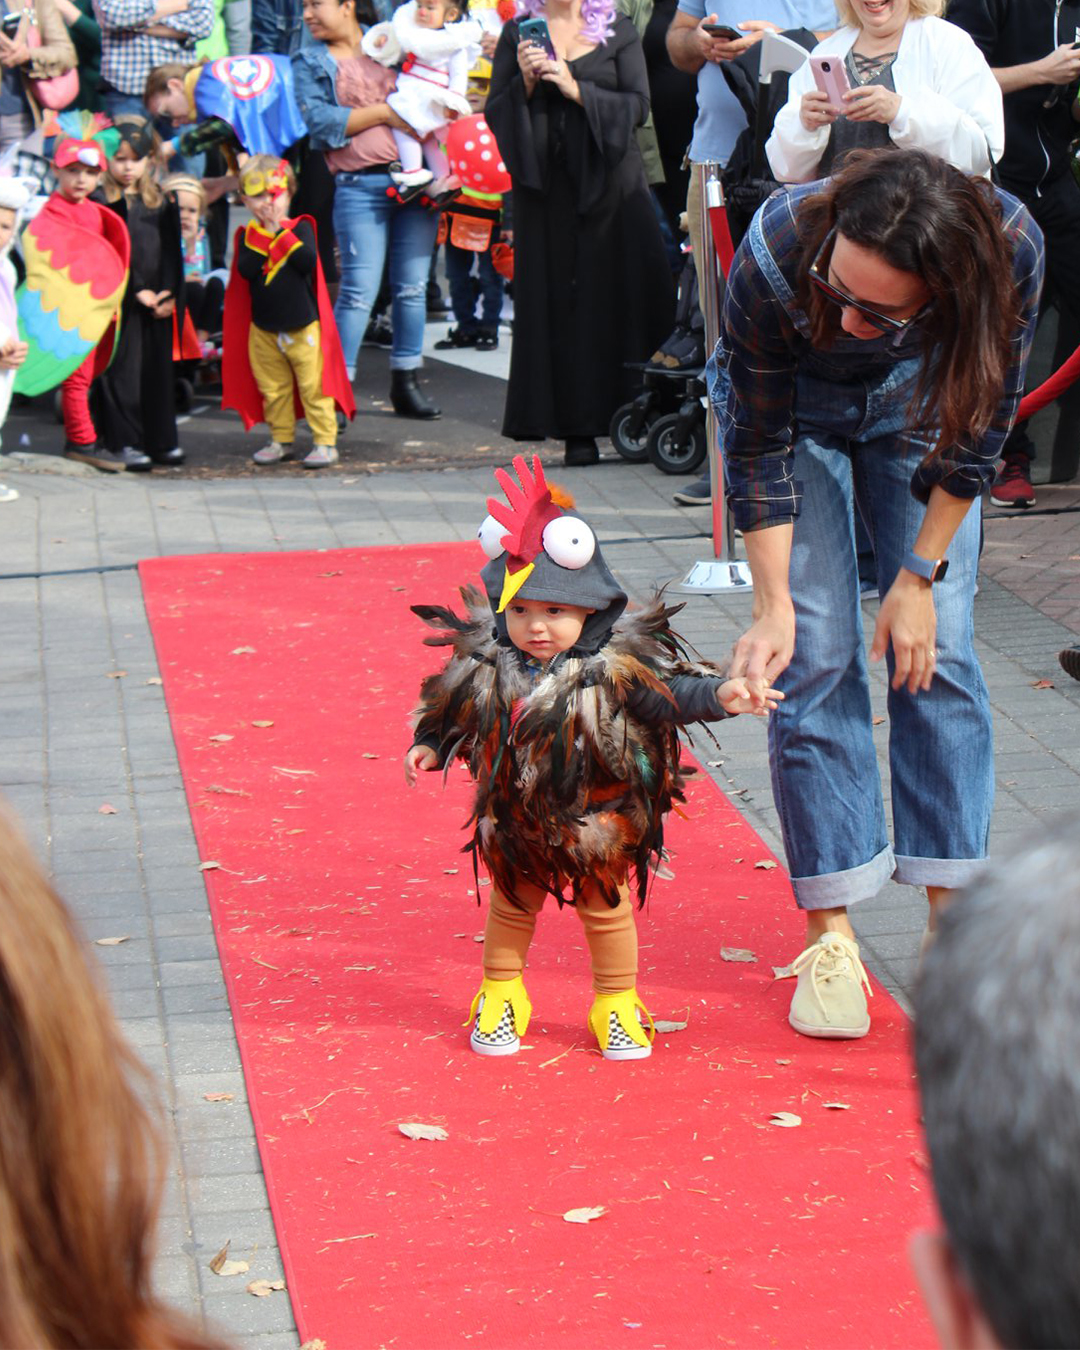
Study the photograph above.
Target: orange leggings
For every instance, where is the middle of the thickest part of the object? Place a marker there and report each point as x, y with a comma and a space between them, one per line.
610, 933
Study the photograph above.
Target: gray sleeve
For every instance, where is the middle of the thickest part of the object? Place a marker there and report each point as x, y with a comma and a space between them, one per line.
695, 701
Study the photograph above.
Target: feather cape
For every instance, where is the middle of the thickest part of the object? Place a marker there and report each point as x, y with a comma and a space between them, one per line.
571, 785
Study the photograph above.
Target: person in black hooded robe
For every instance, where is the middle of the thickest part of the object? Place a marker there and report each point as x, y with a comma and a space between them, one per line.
592, 287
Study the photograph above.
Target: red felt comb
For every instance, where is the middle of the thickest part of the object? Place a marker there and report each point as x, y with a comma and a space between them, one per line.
529, 511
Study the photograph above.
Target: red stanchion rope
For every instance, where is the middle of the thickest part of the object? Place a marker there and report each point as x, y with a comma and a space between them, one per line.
1056, 385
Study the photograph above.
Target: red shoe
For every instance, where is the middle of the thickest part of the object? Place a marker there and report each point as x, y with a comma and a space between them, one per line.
1012, 486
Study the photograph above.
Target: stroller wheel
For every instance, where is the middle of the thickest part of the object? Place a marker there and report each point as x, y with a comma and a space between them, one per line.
632, 448
58, 406
675, 449
185, 394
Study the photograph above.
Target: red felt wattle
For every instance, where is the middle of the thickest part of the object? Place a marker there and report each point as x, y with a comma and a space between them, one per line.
346, 925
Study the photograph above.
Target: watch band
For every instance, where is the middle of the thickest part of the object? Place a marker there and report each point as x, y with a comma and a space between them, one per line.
930, 569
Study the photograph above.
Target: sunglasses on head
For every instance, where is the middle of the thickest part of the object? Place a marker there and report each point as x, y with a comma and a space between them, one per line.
884, 323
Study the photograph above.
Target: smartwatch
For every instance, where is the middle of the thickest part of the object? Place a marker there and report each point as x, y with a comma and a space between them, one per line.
929, 569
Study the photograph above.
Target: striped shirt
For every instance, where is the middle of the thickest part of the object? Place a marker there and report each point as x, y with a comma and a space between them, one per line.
764, 335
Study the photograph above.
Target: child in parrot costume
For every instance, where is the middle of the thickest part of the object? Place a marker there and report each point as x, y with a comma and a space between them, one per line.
566, 711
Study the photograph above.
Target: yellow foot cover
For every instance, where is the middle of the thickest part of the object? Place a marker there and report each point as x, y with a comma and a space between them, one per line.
495, 993
624, 1005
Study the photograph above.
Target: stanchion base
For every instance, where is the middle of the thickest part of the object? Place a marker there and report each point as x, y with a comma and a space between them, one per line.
715, 574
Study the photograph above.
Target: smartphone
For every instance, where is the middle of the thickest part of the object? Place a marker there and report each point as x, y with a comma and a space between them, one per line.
9, 24
831, 77
721, 30
536, 30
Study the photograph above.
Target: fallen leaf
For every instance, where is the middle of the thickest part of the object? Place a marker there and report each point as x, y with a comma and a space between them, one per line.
115, 674
663, 1026
736, 954
787, 1120
154, 679
209, 866
584, 1215
368, 755
478, 937
106, 810
222, 737
877, 721
783, 973
765, 865
220, 1265
414, 1130
294, 773
229, 792
450, 871
262, 724
217, 1096
111, 942
328, 574
1043, 684
242, 651
264, 1288
836, 1106
783, 1061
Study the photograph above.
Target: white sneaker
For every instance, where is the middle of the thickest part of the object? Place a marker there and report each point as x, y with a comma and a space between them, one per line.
829, 1001
273, 453
412, 177
321, 457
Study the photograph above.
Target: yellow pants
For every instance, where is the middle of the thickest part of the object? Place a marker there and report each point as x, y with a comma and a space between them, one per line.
279, 359
610, 933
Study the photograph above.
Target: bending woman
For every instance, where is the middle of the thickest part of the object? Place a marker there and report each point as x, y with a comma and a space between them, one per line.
876, 330
342, 95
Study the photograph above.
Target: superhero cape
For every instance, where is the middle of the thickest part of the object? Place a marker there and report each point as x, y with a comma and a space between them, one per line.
238, 388
254, 95
75, 283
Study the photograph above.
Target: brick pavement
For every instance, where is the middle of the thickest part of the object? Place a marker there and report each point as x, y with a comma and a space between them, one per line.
75, 739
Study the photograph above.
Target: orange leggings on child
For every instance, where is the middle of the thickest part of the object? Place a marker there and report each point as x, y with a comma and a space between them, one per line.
610, 933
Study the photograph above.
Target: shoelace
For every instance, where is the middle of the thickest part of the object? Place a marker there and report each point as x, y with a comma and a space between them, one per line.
844, 960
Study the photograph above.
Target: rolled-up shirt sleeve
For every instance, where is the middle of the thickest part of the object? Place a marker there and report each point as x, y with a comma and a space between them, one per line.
759, 345
965, 470
197, 20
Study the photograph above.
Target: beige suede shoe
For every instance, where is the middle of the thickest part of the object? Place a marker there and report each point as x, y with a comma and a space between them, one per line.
829, 1000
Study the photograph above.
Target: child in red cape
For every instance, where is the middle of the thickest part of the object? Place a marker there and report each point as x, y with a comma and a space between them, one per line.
282, 355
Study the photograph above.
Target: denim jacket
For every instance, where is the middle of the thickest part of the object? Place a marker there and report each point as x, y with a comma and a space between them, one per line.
277, 27
315, 80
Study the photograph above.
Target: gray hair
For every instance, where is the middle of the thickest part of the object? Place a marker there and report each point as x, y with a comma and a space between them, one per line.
997, 1047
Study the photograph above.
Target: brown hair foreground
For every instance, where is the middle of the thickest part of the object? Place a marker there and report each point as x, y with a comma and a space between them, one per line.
925, 217
81, 1161
157, 82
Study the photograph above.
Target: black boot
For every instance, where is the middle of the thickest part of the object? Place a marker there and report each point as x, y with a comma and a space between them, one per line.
580, 451
169, 459
406, 398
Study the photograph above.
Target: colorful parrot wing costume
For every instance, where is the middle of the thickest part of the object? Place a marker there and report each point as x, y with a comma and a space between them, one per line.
254, 96
75, 282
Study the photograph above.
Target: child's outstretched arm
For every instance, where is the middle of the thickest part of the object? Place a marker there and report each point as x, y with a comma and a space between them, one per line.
419, 758
734, 697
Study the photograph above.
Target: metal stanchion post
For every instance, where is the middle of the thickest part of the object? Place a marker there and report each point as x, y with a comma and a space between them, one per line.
723, 571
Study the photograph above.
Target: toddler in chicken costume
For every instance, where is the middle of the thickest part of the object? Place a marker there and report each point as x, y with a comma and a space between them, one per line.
567, 713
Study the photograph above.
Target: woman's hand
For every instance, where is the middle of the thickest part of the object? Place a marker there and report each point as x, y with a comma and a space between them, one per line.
13, 54
421, 758
532, 62
147, 298
558, 74
871, 103
166, 305
815, 111
764, 651
398, 123
907, 620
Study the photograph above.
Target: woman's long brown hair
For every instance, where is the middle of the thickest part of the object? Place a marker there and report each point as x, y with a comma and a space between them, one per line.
81, 1161
925, 217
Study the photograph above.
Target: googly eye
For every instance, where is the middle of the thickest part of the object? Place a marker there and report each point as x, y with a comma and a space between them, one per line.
491, 535
569, 542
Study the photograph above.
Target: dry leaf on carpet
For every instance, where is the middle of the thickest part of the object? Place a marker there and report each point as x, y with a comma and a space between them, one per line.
228, 792
787, 1120
222, 1266
736, 954
105, 809
317, 1345
294, 773
264, 1288
217, 1096
414, 1130
242, 651
765, 865
209, 866
222, 737
585, 1215
111, 942
836, 1106
663, 1026
262, 724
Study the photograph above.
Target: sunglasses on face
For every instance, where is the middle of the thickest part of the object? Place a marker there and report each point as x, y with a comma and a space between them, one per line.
884, 323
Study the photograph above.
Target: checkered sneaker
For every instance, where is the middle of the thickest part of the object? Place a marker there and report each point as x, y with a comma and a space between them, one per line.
620, 1045
502, 1041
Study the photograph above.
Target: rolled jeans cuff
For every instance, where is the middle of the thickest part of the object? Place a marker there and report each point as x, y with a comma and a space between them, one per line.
947, 872
406, 362
840, 890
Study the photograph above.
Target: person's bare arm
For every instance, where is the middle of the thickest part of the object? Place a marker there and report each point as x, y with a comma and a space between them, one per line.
1061, 66
690, 47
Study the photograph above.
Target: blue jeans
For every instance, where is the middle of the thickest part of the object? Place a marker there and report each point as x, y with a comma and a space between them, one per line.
459, 264
853, 449
118, 104
369, 224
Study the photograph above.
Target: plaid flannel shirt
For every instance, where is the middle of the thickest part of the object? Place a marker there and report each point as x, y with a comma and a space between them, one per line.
128, 54
763, 337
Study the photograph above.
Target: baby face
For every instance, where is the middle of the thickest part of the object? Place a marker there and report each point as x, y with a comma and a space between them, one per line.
7, 226
543, 628
434, 13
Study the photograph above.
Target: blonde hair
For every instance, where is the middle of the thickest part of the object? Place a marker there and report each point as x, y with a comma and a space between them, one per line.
81, 1157
157, 82
266, 164
148, 187
920, 9
186, 182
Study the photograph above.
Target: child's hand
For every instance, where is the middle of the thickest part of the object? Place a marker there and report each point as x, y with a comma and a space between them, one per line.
379, 40
735, 696
420, 757
13, 354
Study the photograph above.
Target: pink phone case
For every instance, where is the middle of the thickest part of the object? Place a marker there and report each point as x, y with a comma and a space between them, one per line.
830, 76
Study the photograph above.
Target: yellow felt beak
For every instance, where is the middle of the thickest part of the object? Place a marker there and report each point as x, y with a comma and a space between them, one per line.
512, 583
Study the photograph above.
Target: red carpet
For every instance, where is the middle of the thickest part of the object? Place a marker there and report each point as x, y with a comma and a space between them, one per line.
346, 923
